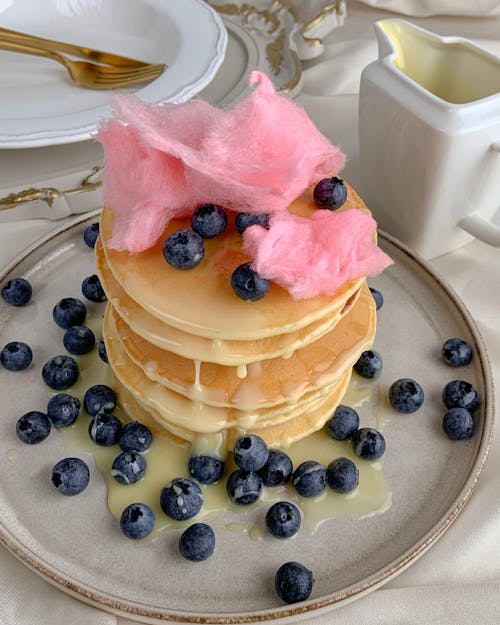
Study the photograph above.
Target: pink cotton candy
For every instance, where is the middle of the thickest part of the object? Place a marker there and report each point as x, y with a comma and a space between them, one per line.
163, 161
316, 255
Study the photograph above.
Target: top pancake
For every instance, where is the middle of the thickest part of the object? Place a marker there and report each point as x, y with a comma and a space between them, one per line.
200, 301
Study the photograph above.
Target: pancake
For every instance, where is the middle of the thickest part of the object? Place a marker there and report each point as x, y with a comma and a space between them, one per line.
276, 435
218, 351
269, 382
201, 302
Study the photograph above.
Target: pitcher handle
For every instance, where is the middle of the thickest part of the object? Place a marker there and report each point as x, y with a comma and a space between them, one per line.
478, 226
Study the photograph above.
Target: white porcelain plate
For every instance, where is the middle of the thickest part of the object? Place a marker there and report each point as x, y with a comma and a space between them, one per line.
75, 543
41, 106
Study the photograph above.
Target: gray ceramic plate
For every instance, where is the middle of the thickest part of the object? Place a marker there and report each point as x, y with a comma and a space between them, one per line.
76, 544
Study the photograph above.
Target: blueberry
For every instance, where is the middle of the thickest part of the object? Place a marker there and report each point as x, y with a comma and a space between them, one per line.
205, 469
245, 220
63, 410
343, 423
250, 452
458, 424
70, 476
247, 283
184, 249
137, 520
309, 478
128, 467
378, 297
197, 542
244, 487
209, 221
277, 470
283, 519
368, 443
104, 430
92, 289
181, 499
17, 292
330, 193
79, 340
135, 437
16, 356
456, 352
342, 475
90, 234
406, 395
69, 312
60, 372
369, 364
33, 427
99, 398
460, 394
293, 582
101, 350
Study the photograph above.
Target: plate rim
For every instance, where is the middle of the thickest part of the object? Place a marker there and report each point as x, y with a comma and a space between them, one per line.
46, 138
310, 607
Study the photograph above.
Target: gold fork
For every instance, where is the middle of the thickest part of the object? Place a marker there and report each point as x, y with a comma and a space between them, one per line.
89, 75
97, 56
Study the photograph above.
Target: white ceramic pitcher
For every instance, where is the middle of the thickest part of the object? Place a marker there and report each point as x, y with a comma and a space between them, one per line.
429, 124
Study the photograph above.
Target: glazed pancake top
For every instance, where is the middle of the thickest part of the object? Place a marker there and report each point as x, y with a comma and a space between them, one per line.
200, 301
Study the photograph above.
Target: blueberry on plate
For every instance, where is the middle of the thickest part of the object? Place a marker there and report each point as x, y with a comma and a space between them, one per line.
283, 519
184, 249
293, 582
33, 427
458, 424
250, 452
247, 284
92, 289
60, 372
378, 297
369, 364
63, 410
245, 220
128, 467
309, 479
368, 443
406, 395
343, 423
181, 499
244, 487
104, 429
70, 476
68, 312
17, 292
456, 352
90, 234
342, 475
330, 193
209, 221
277, 470
16, 356
101, 350
197, 542
79, 340
137, 520
99, 398
135, 437
205, 469
460, 394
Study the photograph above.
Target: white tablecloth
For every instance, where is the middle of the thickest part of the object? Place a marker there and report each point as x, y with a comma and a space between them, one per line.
458, 580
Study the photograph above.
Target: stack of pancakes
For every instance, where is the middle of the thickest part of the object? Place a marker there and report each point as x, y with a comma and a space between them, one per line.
188, 353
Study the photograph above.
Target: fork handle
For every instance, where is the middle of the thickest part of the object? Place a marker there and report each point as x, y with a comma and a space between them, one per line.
24, 49
84, 53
